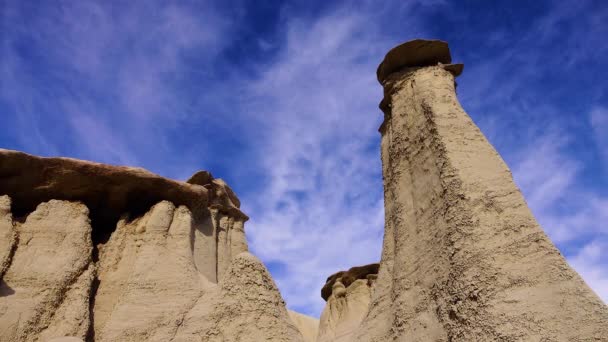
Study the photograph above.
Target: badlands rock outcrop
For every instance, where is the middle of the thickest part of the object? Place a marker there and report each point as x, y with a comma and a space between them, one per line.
93, 252
348, 295
463, 258
97, 252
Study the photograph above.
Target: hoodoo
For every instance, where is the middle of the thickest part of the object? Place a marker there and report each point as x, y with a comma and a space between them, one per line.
463, 258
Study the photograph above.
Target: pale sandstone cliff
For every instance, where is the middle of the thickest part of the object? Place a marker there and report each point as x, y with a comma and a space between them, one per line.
463, 258
108, 253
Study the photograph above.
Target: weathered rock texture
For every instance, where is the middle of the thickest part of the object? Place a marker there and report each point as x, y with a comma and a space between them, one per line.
44, 291
106, 253
348, 295
245, 306
308, 326
463, 258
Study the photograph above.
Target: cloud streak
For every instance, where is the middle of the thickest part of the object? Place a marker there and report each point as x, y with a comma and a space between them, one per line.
322, 207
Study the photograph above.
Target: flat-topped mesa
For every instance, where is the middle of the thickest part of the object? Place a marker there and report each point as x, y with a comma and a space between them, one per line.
463, 258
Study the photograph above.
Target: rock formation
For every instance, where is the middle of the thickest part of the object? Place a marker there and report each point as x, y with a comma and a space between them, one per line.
463, 258
44, 292
348, 294
107, 253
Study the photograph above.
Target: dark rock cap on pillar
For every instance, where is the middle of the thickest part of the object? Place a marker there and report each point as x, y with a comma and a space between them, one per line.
417, 53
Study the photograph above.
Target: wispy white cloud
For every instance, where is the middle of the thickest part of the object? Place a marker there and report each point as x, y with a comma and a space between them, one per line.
548, 175
97, 136
322, 209
546, 185
113, 68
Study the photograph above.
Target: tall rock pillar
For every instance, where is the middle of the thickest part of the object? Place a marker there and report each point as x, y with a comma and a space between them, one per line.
463, 257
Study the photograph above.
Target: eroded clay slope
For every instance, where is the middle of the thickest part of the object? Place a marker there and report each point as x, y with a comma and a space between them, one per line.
245, 306
44, 291
127, 255
463, 257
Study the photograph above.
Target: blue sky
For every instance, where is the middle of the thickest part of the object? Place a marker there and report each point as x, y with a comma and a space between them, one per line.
280, 99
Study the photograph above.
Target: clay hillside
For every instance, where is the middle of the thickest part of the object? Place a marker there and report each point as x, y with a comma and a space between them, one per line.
93, 252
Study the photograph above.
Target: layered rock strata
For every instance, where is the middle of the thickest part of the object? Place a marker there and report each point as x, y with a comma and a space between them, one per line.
463, 257
106, 253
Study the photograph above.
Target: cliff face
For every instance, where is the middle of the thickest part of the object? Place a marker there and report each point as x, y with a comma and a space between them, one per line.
111, 253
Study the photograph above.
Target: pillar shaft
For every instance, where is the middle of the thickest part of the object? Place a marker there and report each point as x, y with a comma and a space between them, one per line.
463, 257
204, 249
223, 246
